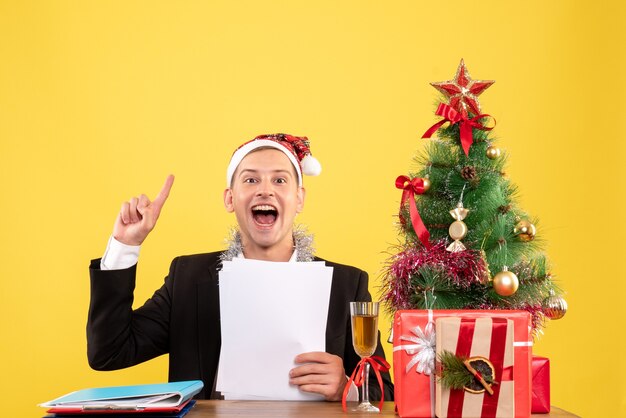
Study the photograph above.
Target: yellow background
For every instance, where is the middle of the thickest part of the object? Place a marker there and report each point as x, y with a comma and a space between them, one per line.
99, 101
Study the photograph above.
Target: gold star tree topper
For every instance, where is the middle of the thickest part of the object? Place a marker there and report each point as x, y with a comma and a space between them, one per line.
462, 91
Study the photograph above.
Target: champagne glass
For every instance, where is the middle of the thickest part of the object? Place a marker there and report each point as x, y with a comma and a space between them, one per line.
364, 316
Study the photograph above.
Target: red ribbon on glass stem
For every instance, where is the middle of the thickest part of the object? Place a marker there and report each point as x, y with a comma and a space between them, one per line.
449, 114
410, 187
377, 363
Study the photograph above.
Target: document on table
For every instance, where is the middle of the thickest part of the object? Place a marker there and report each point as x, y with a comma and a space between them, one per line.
270, 312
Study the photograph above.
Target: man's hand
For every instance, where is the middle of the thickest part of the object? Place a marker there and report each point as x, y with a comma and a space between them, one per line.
139, 216
323, 373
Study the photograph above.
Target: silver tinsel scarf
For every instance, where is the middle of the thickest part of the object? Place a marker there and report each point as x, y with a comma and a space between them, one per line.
303, 245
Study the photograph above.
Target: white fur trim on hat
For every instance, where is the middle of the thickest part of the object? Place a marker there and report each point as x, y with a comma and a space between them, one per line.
251, 146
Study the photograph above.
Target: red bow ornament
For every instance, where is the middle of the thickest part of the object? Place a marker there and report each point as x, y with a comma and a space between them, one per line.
411, 187
377, 363
466, 125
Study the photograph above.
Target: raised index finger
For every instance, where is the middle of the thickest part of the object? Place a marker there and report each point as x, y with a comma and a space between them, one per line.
165, 191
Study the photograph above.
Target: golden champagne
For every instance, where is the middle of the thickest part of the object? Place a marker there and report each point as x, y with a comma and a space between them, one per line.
364, 334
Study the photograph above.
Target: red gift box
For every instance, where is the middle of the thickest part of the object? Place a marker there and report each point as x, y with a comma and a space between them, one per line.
490, 339
414, 356
541, 385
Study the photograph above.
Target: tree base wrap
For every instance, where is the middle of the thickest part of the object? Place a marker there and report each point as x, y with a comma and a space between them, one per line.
378, 364
491, 338
414, 396
541, 385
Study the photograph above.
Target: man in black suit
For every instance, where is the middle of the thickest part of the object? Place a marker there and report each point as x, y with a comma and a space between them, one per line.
264, 190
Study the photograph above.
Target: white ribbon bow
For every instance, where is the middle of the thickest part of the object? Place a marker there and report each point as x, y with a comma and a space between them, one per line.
423, 349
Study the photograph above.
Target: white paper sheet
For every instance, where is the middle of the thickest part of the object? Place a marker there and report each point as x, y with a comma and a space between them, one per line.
270, 312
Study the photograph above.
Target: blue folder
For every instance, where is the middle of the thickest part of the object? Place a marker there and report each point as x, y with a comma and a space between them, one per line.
160, 395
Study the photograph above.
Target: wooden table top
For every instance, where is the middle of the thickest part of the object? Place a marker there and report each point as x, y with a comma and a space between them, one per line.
277, 409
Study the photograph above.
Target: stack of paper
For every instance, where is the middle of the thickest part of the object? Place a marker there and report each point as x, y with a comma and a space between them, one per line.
164, 400
270, 313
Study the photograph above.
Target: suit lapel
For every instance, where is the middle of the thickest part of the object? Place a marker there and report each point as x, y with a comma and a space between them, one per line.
338, 311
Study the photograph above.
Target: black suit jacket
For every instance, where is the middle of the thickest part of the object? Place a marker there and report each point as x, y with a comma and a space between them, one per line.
182, 318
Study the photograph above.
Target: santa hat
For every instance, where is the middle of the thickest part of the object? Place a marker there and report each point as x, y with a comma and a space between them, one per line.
296, 148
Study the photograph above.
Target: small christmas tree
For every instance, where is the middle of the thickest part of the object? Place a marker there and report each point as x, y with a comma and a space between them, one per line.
466, 242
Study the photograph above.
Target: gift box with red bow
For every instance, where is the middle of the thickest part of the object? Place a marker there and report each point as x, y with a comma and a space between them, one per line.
541, 385
414, 341
474, 368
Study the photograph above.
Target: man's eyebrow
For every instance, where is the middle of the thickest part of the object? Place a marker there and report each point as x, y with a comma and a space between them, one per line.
254, 171
277, 171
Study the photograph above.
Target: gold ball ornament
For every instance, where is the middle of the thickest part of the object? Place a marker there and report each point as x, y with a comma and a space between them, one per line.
505, 283
554, 307
493, 152
525, 231
426, 181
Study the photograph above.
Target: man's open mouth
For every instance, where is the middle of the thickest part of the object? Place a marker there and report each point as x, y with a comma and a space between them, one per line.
264, 214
